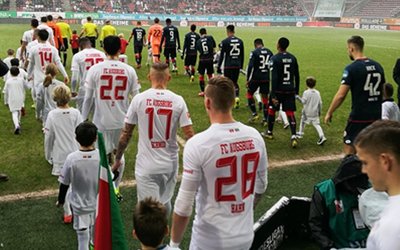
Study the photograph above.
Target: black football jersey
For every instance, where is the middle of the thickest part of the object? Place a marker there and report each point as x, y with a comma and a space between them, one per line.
232, 53
259, 62
138, 34
365, 78
285, 74
189, 46
205, 46
171, 37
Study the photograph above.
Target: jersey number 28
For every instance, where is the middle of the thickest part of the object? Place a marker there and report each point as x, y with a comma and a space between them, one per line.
247, 178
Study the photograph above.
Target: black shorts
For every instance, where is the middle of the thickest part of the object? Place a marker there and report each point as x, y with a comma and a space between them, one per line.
137, 49
288, 102
170, 53
254, 85
65, 41
232, 74
352, 130
206, 66
190, 60
92, 40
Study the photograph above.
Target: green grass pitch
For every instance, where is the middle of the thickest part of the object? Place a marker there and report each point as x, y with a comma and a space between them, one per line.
321, 52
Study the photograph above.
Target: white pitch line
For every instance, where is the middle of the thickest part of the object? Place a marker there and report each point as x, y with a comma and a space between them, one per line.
132, 183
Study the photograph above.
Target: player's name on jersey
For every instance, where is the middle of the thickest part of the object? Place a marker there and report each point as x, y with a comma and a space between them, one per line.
370, 68
159, 103
44, 49
287, 60
114, 71
93, 55
234, 147
237, 208
158, 144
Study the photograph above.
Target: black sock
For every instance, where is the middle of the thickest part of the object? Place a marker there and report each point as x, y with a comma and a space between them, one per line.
292, 123
252, 106
271, 121
202, 85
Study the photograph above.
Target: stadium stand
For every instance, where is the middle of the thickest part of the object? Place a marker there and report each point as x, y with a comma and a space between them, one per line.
4, 4
358, 8
369, 8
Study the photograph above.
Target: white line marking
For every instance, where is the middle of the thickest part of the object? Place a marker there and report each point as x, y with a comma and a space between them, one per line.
132, 183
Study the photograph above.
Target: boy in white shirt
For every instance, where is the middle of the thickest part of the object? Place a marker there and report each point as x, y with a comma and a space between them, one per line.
10, 55
81, 172
14, 95
390, 110
312, 106
158, 113
59, 135
150, 224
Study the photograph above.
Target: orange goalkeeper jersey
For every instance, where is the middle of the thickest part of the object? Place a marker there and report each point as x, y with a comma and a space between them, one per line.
155, 34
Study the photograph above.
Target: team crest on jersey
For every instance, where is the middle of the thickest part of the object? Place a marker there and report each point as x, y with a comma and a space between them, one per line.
339, 206
345, 74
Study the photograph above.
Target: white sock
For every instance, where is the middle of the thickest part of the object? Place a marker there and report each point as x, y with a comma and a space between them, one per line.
301, 127
319, 130
67, 204
283, 116
257, 96
15, 118
83, 239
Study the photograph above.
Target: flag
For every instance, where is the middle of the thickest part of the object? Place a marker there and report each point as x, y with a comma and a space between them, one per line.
109, 229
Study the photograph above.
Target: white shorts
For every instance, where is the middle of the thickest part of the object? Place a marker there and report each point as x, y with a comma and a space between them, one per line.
111, 139
158, 186
83, 221
56, 171
310, 120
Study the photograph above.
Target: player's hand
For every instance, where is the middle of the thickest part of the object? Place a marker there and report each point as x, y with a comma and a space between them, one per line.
219, 71
66, 80
116, 175
62, 48
74, 94
182, 56
58, 204
117, 164
275, 101
328, 118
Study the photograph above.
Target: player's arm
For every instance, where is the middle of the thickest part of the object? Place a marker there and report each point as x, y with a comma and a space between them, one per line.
74, 81
64, 180
185, 45
49, 138
130, 37
82, 31
3, 68
183, 209
221, 58
396, 72
337, 101
296, 77
60, 67
126, 135
241, 47
250, 67
39, 101
23, 49
162, 40
178, 40
274, 78
87, 103
188, 131
261, 181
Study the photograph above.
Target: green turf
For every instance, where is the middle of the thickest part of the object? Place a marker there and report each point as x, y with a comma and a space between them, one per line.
38, 221
320, 51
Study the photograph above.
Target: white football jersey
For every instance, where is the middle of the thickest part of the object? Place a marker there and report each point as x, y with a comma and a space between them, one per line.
28, 36
44, 99
390, 110
39, 57
59, 133
158, 113
81, 173
112, 82
14, 93
84, 60
50, 30
22, 74
229, 163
